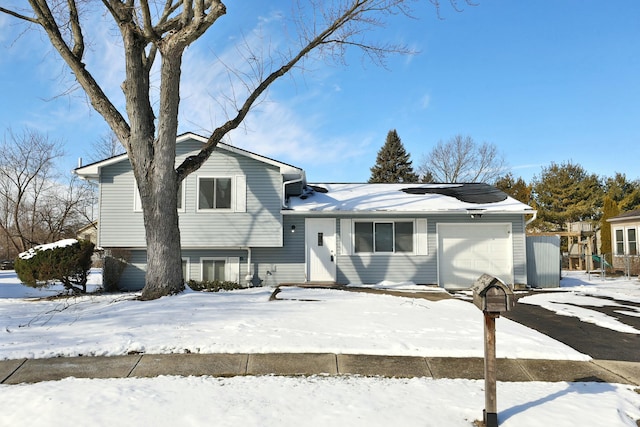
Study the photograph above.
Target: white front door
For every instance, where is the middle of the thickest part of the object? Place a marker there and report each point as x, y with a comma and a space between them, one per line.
321, 249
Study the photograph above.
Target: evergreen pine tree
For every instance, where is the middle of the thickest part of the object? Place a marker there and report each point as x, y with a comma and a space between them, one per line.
566, 193
518, 189
393, 164
609, 210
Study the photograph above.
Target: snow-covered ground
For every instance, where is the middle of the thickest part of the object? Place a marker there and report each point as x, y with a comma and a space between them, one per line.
305, 320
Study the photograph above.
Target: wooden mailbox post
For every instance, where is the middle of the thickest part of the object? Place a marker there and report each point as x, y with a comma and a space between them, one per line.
493, 297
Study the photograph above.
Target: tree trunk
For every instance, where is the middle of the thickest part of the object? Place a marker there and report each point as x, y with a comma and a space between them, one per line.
164, 261
159, 189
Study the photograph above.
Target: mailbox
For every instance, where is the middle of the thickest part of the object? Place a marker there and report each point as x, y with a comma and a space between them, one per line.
492, 295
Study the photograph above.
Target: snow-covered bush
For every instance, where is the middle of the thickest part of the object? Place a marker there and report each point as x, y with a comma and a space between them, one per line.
66, 261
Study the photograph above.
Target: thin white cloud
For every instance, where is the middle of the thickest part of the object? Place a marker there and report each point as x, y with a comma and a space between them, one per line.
425, 101
279, 126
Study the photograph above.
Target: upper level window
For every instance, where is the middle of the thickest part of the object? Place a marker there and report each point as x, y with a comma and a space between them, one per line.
214, 193
383, 236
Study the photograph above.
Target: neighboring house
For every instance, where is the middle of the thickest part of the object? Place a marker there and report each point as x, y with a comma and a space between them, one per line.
624, 241
248, 218
89, 232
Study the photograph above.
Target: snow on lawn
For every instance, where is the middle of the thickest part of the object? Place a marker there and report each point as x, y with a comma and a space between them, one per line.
582, 291
309, 321
245, 321
312, 401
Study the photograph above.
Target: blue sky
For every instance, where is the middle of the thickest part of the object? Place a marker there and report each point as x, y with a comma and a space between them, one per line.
544, 80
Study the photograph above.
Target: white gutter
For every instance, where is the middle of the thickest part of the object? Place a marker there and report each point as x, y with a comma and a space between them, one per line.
338, 212
284, 189
533, 218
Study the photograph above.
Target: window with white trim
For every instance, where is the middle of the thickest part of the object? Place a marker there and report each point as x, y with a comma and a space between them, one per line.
213, 269
619, 238
214, 193
632, 246
383, 237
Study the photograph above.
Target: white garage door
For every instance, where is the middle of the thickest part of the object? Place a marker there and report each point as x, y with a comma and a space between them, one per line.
466, 251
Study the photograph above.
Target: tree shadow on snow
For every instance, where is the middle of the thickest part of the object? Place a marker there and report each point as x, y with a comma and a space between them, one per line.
589, 385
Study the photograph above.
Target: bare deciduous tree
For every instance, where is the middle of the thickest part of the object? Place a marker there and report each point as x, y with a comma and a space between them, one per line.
35, 206
461, 159
65, 208
148, 28
106, 146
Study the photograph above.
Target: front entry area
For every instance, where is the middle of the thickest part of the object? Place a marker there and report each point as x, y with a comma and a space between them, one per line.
320, 243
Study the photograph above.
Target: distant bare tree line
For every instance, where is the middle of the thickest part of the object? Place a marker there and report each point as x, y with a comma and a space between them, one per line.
38, 204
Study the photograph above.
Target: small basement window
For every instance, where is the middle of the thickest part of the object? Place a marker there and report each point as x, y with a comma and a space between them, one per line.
213, 269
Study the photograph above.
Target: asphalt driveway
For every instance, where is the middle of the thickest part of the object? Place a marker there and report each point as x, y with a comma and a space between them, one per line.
588, 338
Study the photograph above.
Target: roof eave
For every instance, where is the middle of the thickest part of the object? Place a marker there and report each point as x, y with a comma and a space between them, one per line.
624, 218
92, 171
337, 212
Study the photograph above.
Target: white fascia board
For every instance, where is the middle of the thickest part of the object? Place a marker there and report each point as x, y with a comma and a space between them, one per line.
337, 213
92, 171
284, 167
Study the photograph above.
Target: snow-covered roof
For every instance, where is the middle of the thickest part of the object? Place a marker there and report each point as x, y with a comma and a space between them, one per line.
406, 198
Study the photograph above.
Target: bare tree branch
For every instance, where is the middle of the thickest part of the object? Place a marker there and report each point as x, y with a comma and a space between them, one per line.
461, 159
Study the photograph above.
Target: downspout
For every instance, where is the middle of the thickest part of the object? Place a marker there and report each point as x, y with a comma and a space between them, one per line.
284, 189
533, 218
249, 277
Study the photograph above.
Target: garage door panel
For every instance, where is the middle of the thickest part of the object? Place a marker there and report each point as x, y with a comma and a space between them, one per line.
467, 251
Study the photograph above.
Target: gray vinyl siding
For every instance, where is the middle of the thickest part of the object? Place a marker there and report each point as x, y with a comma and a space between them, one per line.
132, 278
194, 256
543, 261
374, 268
259, 226
119, 225
285, 264
423, 269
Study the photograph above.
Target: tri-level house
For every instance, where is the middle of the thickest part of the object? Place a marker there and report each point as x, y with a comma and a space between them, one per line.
251, 219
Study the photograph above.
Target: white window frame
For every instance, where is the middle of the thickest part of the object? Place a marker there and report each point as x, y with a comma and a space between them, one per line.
615, 240
393, 221
628, 242
625, 240
137, 203
232, 195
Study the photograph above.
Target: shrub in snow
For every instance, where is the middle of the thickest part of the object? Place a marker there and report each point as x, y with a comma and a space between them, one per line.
66, 261
115, 261
213, 286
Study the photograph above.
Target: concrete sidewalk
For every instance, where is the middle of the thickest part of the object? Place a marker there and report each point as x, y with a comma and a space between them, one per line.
227, 365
